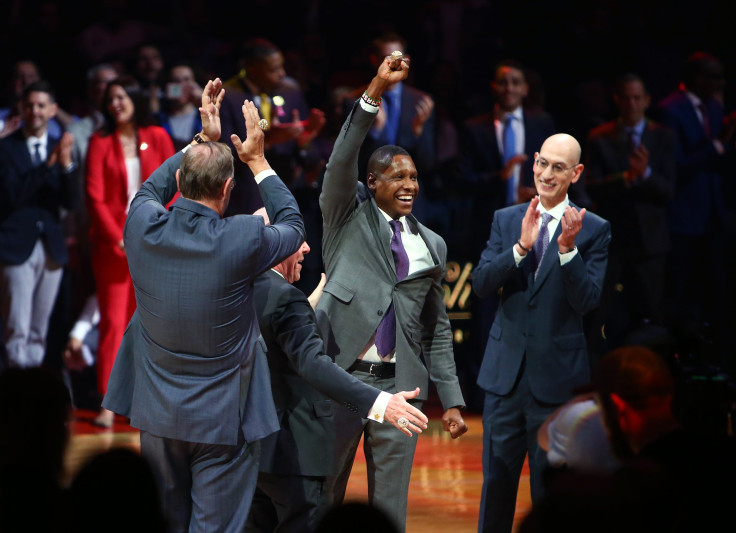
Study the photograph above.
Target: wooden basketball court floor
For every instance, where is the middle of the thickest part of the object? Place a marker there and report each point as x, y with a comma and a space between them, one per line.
444, 494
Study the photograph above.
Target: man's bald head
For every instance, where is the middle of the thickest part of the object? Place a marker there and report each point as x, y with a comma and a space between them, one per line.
556, 167
564, 143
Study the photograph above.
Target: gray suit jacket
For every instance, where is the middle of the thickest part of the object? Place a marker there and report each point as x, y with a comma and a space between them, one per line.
540, 320
188, 368
361, 278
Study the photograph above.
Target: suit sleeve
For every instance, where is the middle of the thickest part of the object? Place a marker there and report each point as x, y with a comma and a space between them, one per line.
96, 182
690, 161
337, 199
583, 275
287, 232
295, 328
437, 344
497, 263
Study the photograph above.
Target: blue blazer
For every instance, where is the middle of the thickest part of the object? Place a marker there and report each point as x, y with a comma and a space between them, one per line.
188, 367
30, 201
699, 188
540, 320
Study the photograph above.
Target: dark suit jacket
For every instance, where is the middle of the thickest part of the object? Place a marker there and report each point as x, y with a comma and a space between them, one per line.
284, 158
637, 213
361, 278
481, 164
301, 376
187, 366
30, 201
540, 321
699, 191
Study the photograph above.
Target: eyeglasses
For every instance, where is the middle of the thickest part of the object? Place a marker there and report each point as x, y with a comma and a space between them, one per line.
557, 168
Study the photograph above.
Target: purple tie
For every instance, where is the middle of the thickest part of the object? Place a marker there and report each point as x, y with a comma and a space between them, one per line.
386, 332
540, 245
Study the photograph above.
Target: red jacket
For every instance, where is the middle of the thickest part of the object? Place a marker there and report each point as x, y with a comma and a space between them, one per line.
107, 180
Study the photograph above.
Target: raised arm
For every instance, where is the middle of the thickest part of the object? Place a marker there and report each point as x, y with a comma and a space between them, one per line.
286, 232
161, 186
337, 199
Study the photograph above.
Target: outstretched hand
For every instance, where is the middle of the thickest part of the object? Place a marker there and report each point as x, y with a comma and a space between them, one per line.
251, 151
212, 96
399, 408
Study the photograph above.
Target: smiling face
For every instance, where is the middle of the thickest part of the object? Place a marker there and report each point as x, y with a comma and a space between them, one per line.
509, 88
120, 106
556, 166
291, 267
38, 109
396, 188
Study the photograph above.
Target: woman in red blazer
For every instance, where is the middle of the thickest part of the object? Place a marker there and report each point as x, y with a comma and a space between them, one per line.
121, 156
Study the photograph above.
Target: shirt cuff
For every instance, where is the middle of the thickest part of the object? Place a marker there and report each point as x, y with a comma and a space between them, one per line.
263, 174
566, 258
517, 256
379, 407
368, 107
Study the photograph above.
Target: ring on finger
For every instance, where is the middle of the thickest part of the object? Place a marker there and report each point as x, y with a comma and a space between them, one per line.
403, 422
263, 124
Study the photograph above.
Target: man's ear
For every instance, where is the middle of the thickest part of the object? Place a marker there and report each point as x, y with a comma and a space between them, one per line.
177, 180
371, 181
227, 187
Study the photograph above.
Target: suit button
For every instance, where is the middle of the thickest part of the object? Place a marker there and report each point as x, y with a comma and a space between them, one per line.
380, 312
39, 225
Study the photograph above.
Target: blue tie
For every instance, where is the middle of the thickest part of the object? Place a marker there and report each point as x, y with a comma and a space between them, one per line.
540, 245
386, 332
509, 151
392, 116
36, 159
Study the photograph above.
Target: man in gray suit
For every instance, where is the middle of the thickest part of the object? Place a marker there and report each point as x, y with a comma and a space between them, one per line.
291, 495
547, 260
188, 374
366, 281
